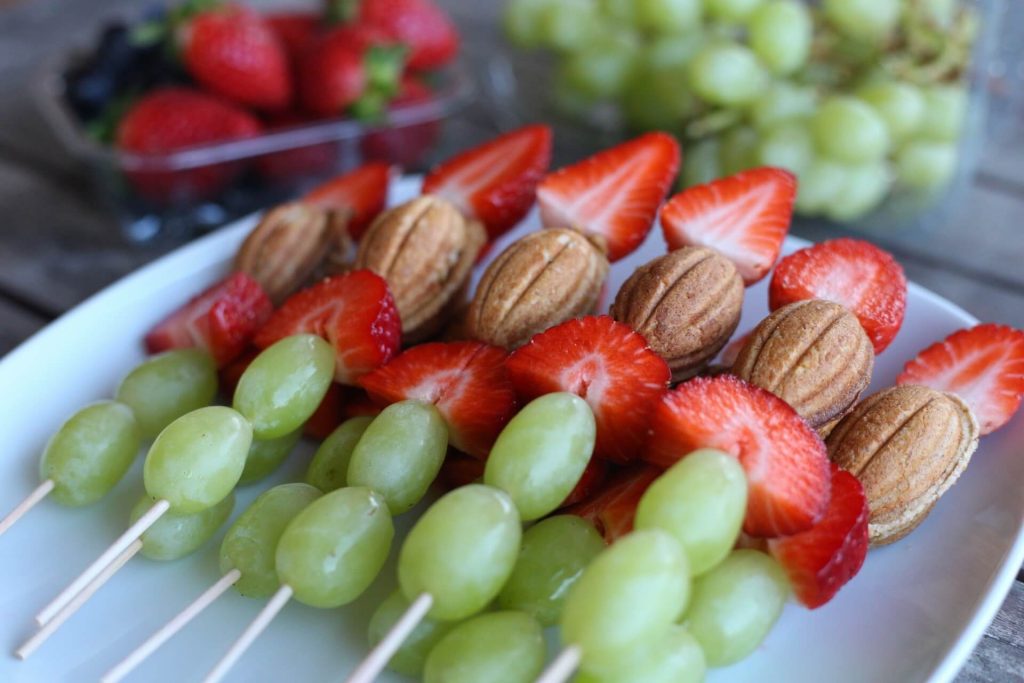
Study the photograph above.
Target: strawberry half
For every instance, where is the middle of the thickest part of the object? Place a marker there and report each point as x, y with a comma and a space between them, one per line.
590, 482
222, 320
496, 182
328, 415
824, 558
615, 193
745, 217
613, 508
363, 191
983, 365
854, 273
467, 381
785, 460
607, 364
354, 312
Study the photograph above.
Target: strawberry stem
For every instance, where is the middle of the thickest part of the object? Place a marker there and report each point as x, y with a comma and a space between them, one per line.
383, 65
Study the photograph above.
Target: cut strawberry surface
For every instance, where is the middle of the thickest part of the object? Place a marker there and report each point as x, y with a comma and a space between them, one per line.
496, 182
363, 191
354, 312
745, 217
467, 381
590, 482
328, 415
230, 373
983, 365
221, 320
854, 273
615, 193
613, 508
459, 469
824, 558
785, 460
357, 403
607, 364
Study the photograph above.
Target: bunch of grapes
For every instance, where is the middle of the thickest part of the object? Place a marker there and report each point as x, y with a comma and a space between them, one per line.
859, 98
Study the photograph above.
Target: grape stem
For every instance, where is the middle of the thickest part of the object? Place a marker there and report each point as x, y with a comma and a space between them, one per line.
24, 506
250, 634
79, 599
563, 666
169, 629
374, 664
93, 570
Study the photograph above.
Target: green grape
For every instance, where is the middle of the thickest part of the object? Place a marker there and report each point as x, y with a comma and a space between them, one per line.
782, 101
461, 551
871, 21
820, 184
700, 163
498, 647
656, 96
671, 657
251, 543
726, 73
329, 468
412, 655
628, 594
400, 453
865, 187
701, 500
196, 461
541, 453
735, 605
284, 385
167, 386
926, 165
730, 10
780, 33
669, 16
850, 131
90, 452
175, 535
602, 68
939, 12
569, 25
738, 150
944, 113
522, 21
620, 13
554, 554
788, 145
266, 456
333, 549
901, 106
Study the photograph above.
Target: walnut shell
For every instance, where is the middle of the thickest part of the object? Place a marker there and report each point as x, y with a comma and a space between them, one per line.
907, 445
425, 250
686, 304
814, 355
540, 280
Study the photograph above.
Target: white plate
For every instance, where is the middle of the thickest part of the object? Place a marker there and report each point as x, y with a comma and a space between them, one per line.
914, 613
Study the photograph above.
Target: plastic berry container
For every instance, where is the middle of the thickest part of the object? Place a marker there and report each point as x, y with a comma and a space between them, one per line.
172, 197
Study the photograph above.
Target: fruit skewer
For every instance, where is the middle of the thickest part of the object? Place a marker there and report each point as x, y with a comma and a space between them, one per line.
94, 448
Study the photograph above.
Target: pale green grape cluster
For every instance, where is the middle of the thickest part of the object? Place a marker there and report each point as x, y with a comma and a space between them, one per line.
176, 535
870, 93
328, 470
168, 385
411, 657
265, 456
497, 646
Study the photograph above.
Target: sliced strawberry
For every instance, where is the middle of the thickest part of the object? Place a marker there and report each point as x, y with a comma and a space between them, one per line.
613, 508
358, 403
328, 415
590, 482
230, 373
824, 558
496, 182
854, 273
467, 381
983, 365
460, 469
615, 193
221, 320
606, 363
744, 217
785, 460
364, 191
354, 312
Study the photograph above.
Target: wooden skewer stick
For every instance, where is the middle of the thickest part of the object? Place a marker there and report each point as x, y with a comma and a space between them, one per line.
24, 506
93, 570
169, 629
562, 667
378, 659
250, 634
78, 600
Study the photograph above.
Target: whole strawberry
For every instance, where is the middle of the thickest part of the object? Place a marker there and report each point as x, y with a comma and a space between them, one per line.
233, 51
420, 24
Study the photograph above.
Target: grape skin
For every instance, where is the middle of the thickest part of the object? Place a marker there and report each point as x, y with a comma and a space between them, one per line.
328, 470
174, 536
498, 647
166, 386
412, 655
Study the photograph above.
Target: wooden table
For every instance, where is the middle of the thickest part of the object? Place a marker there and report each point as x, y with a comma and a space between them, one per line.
58, 245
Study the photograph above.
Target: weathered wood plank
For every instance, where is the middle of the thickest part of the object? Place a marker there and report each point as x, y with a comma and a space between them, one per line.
999, 656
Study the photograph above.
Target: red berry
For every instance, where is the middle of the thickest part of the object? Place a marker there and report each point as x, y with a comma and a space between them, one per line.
612, 509
363, 191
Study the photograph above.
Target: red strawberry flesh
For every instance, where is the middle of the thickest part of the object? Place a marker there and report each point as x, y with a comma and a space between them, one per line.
613, 508
364, 191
